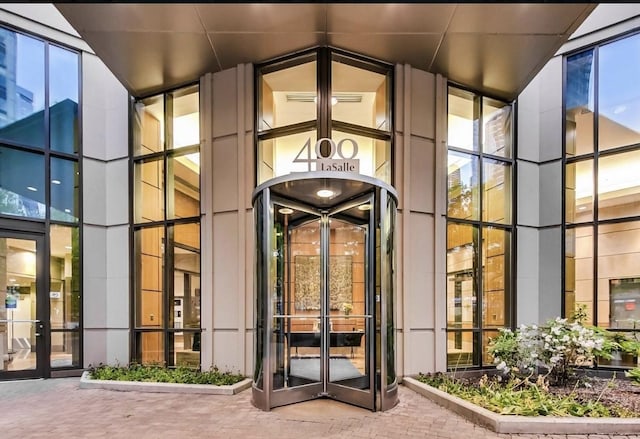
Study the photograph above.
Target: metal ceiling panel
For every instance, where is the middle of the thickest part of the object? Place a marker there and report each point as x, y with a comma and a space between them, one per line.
523, 18
389, 18
116, 17
492, 63
234, 49
493, 48
153, 61
417, 50
262, 17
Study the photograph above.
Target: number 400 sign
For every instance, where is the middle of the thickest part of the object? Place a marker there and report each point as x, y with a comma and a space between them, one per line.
324, 157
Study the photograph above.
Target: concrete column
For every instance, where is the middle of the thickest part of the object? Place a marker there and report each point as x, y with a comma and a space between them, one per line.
105, 231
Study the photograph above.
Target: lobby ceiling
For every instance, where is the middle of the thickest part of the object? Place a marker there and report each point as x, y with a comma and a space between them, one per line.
492, 48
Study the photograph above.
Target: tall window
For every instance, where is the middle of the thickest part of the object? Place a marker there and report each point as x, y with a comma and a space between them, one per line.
166, 228
40, 175
324, 94
602, 189
479, 225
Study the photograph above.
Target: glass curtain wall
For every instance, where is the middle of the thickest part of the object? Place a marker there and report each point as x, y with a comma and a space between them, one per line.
166, 229
323, 94
479, 225
40, 176
602, 189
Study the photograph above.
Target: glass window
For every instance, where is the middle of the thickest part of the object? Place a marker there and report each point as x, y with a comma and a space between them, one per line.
288, 95
149, 260
619, 93
186, 295
149, 191
618, 185
65, 182
148, 122
286, 154
496, 264
22, 186
478, 254
347, 106
184, 107
184, 181
150, 348
358, 95
496, 127
462, 283
496, 186
578, 281
462, 186
579, 191
64, 296
618, 280
463, 119
186, 260
373, 156
460, 346
22, 113
579, 102
63, 100
167, 255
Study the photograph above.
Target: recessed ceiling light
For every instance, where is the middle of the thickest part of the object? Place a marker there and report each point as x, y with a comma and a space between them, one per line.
324, 193
68, 210
31, 188
55, 181
286, 211
364, 207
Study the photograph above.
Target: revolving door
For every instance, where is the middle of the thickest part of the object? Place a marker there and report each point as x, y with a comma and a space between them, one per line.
324, 291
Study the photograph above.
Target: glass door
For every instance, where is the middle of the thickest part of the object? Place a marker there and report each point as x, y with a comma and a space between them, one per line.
321, 304
349, 304
324, 289
22, 347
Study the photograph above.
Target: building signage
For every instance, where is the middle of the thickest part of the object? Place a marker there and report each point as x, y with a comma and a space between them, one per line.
346, 151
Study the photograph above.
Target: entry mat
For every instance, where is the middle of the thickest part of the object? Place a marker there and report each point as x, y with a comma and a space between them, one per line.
340, 368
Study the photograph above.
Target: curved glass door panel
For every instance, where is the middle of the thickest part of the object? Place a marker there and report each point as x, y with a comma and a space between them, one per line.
349, 304
296, 290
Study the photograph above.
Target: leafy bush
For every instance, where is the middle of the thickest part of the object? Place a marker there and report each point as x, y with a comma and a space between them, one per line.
518, 396
633, 375
558, 347
159, 374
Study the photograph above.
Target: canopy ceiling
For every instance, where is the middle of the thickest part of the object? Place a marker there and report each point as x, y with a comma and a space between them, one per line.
493, 48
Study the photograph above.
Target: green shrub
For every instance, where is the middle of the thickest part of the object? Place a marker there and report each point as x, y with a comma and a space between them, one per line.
520, 397
159, 374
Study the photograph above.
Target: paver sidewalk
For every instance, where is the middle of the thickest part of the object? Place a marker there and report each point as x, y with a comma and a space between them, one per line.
57, 408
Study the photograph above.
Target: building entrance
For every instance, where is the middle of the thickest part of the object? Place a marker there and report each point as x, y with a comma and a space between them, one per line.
22, 326
324, 299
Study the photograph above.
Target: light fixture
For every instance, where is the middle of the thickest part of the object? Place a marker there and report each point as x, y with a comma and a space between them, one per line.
55, 181
12, 280
68, 247
286, 211
31, 188
364, 207
67, 210
582, 208
324, 193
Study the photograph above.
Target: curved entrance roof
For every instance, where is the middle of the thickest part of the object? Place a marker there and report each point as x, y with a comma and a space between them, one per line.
495, 49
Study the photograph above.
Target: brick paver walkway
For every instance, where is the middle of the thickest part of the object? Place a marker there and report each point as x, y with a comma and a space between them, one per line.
57, 408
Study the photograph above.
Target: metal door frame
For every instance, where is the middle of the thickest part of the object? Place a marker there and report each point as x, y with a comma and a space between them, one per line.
324, 388
43, 367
